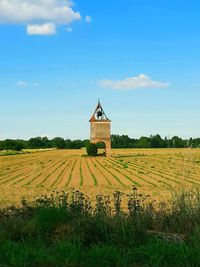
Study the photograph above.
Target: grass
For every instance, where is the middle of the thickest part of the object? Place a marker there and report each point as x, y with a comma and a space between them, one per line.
11, 153
65, 229
24, 151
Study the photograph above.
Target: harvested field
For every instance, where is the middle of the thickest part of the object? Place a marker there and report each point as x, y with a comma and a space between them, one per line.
155, 172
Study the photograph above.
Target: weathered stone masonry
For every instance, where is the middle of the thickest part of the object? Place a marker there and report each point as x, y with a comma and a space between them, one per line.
100, 128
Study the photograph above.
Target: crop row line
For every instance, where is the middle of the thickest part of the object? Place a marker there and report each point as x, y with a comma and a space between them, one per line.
53, 171
136, 175
70, 176
92, 174
169, 174
126, 176
113, 175
108, 181
59, 177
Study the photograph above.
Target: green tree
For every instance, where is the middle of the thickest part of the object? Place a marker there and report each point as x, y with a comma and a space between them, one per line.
76, 144
122, 141
1, 145
143, 142
9, 144
156, 141
68, 143
178, 142
59, 143
46, 143
35, 142
86, 142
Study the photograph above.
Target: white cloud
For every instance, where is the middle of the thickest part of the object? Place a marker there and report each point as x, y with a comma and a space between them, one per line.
25, 11
43, 29
140, 81
37, 12
88, 19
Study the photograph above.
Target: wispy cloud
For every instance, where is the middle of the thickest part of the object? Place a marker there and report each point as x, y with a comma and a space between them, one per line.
132, 83
22, 84
40, 16
26, 84
88, 19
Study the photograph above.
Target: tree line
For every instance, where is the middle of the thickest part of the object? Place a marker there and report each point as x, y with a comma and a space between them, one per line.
117, 141
42, 143
154, 141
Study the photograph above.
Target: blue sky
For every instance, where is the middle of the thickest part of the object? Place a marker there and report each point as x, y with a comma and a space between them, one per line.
140, 57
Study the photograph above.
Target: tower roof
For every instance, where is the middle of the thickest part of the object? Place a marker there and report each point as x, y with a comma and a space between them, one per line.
99, 114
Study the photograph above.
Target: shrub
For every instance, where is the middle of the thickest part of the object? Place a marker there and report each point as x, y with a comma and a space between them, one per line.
92, 150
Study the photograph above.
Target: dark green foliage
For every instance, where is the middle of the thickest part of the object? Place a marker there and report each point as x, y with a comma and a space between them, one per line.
59, 143
64, 230
178, 142
100, 145
117, 141
50, 217
154, 141
157, 142
143, 142
39, 142
9, 144
92, 150
76, 144
122, 141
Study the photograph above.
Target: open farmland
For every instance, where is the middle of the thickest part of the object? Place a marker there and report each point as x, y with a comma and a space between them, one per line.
152, 171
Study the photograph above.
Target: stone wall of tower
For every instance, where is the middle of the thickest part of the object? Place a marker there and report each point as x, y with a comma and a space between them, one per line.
100, 129
100, 132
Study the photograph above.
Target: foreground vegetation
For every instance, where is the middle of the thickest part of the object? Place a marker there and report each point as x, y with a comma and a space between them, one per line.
64, 229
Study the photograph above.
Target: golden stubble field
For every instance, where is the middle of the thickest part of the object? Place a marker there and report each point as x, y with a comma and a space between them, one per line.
155, 172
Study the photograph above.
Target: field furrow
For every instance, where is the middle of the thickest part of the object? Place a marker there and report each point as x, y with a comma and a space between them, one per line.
153, 171
172, 178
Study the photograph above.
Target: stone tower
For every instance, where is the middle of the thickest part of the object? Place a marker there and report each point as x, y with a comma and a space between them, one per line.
100, 128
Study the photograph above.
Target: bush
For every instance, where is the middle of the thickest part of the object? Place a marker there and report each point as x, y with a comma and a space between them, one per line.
92, 150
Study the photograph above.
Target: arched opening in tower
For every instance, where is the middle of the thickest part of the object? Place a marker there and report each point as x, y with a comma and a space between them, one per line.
101, 148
